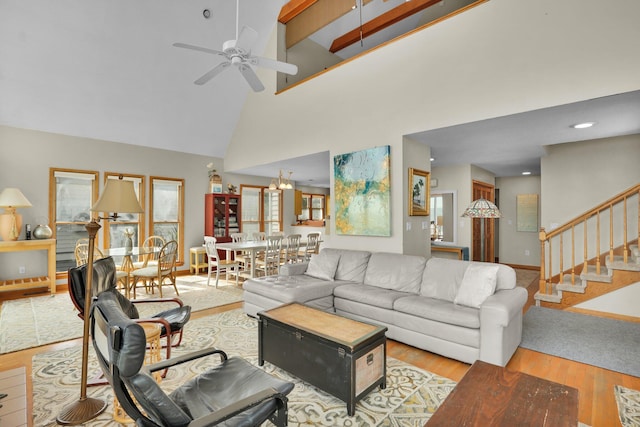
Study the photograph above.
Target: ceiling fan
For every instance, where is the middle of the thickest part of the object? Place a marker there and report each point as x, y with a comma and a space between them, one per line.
238, 53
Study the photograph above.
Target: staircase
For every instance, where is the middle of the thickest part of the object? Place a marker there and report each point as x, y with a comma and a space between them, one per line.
593, 254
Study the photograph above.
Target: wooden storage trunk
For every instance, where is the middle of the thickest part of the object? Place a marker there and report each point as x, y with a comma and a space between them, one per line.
343, 357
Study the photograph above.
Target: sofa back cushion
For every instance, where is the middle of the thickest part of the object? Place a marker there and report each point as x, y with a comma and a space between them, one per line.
352, 264
395, 271
323, 265
442, 277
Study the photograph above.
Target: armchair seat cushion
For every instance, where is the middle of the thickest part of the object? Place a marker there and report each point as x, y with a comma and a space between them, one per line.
226, 384
177, 317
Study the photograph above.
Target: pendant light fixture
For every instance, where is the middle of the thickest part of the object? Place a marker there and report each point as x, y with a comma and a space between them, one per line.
281, 183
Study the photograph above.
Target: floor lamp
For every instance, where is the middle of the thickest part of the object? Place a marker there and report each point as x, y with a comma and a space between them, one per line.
482, 208
118, 196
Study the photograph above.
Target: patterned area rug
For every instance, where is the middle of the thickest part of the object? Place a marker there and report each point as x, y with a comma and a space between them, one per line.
31, 322
410, 398
628, 406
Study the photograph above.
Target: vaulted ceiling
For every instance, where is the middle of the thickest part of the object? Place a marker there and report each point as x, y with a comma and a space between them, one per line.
108, 70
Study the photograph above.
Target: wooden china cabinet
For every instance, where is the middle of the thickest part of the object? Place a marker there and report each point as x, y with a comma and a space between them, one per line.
221, 216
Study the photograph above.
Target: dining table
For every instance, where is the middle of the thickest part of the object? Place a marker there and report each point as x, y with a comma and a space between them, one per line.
252, 247
127, 255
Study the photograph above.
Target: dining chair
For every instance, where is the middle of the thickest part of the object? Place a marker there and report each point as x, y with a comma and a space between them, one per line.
156, 275
243, 257
82, 253
150, 258
291, 249
271, 261
219, 264
259, 236
313, 243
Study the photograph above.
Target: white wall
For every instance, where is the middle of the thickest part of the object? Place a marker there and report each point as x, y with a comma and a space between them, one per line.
580, 175
417, 235
517, 247
503, 57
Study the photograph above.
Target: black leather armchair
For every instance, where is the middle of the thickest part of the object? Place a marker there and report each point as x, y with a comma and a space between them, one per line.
171, 321
231, 393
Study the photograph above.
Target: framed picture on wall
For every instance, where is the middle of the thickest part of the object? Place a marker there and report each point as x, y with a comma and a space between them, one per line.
419, 187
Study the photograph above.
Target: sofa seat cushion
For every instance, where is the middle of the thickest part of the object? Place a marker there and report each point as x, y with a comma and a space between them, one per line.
300, 288
395, 271
447, 332
439, 310
370, 295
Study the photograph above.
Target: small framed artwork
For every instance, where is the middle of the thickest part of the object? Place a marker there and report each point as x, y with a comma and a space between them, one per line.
419, 187
216, 187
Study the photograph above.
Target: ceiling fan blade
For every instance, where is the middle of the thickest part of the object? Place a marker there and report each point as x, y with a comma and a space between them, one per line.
212, 73
198, 48
251, 78
283, 67
246, 38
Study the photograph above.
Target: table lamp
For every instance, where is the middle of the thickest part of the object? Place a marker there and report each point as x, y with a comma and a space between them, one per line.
482, 208
10, 221
118, 196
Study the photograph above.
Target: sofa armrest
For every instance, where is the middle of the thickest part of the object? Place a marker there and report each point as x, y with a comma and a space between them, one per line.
293, 269
501, 325
503, 306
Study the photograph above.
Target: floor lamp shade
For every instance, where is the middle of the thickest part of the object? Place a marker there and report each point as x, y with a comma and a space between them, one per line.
118, 196
10, 220
482, 208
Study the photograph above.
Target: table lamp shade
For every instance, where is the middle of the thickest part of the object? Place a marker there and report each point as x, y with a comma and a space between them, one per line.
118, 196
10, 221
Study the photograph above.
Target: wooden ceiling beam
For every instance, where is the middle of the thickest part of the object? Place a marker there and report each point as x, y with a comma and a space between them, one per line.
293, 9
381, 22
305, 17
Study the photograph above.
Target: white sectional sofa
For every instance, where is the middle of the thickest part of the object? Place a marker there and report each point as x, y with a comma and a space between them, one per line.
459, 309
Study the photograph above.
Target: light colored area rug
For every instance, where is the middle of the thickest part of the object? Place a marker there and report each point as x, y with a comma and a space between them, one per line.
628, 402
410, 398
31, 322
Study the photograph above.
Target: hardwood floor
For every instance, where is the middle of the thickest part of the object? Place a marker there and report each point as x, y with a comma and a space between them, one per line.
597, 405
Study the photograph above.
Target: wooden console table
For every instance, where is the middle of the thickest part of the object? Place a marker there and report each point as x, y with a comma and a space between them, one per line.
49, 280
490, 395
461, 251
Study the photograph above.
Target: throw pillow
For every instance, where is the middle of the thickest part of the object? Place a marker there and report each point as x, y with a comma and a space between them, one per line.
323, 265
478, 283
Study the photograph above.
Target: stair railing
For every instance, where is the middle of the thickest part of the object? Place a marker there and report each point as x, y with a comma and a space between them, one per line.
590, 222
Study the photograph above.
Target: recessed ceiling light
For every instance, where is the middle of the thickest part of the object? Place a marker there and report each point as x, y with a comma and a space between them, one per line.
526, 173
583, 125
432, 159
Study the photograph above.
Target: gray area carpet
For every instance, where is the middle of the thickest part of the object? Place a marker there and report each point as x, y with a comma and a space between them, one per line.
605, 343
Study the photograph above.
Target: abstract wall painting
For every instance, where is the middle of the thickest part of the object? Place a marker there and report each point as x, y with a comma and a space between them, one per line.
362, 192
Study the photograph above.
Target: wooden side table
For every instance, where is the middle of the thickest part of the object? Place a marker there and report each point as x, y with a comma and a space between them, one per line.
197, 259
152, 334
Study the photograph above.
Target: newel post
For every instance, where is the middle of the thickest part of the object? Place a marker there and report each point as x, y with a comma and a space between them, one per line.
542, 283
